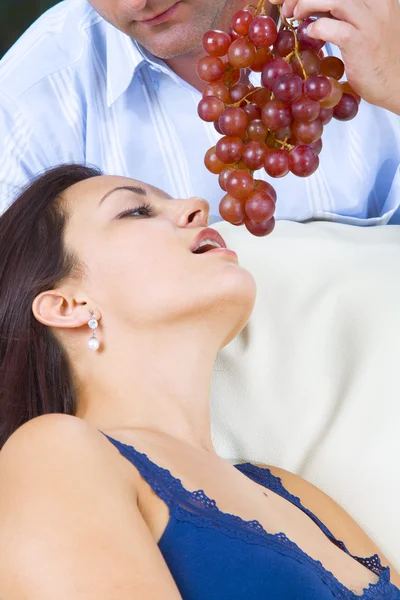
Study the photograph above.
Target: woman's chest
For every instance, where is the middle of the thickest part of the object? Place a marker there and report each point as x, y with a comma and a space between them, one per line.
235, 494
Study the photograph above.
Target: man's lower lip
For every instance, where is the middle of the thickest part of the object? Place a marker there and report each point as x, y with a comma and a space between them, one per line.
163, 17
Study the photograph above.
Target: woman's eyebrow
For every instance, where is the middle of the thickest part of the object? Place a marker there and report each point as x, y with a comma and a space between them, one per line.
140, 191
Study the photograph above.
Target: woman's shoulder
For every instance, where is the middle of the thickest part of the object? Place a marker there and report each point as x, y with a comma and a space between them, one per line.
48, 435
64, 492
63, 446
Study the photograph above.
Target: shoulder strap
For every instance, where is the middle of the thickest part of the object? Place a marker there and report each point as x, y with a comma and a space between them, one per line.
160, 480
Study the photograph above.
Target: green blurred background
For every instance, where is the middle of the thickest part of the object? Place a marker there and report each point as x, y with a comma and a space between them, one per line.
16, 16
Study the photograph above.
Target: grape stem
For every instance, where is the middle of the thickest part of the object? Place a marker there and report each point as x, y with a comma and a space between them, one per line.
284, 144
247, 95
285, 22
296, 53
259, 9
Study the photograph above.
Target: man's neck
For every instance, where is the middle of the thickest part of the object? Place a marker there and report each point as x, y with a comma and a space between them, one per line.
185, 66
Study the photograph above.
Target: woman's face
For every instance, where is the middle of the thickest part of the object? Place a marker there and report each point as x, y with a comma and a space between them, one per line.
135, 240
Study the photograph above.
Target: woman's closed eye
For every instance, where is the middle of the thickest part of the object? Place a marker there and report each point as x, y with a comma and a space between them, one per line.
144, 210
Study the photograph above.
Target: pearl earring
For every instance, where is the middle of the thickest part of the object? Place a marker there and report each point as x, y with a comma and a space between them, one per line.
93, 324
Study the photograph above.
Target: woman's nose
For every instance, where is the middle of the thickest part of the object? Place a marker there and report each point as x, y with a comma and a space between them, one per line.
194, 213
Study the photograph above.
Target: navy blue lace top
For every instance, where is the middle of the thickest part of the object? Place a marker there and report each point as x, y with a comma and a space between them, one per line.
213, 555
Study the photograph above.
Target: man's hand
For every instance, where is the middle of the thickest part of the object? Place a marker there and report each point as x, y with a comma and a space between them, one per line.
367, 33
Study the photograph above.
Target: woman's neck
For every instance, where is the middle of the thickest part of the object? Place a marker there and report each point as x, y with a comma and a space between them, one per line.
160, 383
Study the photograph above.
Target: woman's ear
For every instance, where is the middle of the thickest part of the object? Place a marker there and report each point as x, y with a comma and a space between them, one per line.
54, 308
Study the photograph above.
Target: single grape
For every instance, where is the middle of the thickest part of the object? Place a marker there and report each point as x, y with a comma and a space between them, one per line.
262, 31
212, 162
288, 88
347, 89
316, 146
305, 110
210, 108
326, 115
260, 229
239, 184
261, 184
253, 111
238, 92
305, 42
233, 121
310, 61
303, 161
283, 134
263, 56
231, 210
274, 69
307, 133
229, 149
216, 43
259, 206
276, 163
347, 108
210, 68
241, 21
257, 130
285, 43
219, 90
254, 155
332, 66
276, 115
260, 96
223, 176
335, 96
241, 53
317, 87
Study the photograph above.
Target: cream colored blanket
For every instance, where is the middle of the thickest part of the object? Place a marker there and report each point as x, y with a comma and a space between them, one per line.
313, 382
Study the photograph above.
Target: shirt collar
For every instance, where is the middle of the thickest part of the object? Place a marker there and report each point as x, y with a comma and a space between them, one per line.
123, 59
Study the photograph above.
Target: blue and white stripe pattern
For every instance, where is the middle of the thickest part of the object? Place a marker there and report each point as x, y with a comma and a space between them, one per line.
74, 88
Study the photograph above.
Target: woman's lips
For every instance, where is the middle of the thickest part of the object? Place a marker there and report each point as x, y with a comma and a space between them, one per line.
227, 251
165, 16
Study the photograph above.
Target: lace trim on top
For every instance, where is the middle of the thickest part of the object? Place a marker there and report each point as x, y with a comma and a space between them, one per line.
196, 507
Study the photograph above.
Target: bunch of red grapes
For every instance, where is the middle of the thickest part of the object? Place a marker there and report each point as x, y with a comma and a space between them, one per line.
277, 126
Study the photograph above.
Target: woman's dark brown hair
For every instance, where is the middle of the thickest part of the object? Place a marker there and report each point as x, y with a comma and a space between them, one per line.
35, 377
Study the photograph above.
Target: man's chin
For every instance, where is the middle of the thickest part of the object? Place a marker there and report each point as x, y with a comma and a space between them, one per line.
171, 45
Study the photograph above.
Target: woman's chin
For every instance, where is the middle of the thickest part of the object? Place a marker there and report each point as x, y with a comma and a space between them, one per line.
240, 284
236, 300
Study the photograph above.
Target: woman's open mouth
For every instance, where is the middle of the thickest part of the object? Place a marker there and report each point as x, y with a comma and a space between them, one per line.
209, 240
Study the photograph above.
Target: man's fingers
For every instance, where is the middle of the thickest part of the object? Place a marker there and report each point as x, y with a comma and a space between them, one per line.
336, 32
351, 11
